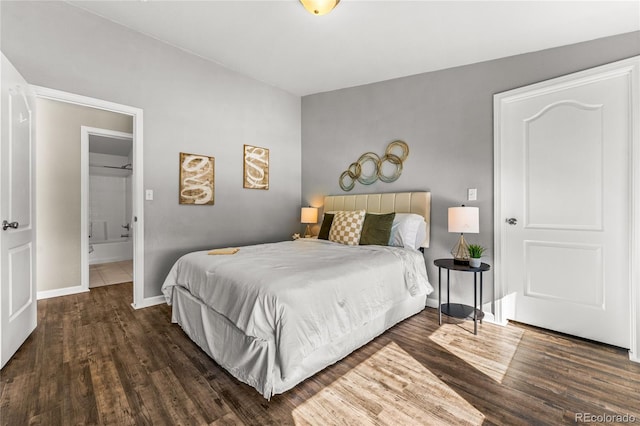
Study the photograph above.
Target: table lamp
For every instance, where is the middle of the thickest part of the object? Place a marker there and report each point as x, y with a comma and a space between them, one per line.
308, 215
463, 220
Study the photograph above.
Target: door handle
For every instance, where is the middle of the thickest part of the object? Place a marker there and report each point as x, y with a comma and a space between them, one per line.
6, 225
511, 221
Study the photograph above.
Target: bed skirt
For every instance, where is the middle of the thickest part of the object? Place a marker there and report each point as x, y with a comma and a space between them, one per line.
253, 361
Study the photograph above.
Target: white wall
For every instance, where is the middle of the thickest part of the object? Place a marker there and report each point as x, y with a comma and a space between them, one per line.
107, 207
190, 105
58, 187
109, 192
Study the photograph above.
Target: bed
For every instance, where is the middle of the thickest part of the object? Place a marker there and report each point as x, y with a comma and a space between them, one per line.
275, 314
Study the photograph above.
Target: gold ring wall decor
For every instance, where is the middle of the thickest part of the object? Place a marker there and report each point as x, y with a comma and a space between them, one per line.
368, 156
396, 161
403, 146
354, 171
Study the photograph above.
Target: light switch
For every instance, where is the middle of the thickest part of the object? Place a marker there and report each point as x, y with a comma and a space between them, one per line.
148, 195
472, 194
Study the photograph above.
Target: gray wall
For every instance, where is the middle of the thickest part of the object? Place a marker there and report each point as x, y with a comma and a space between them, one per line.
446, 117
190, 105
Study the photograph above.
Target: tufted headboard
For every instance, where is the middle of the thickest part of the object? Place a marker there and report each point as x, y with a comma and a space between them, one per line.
398, 202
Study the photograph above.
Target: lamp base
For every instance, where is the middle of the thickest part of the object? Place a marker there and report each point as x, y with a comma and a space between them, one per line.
460, 252
307, 232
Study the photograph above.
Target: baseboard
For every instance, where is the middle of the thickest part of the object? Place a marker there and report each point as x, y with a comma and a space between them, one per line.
633, 357
432, 303
491, 319
149, 301
48, 294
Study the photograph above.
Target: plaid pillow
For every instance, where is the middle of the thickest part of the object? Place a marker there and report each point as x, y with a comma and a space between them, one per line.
347, 227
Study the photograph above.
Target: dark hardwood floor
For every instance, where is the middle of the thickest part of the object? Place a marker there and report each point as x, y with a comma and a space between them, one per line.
95, 360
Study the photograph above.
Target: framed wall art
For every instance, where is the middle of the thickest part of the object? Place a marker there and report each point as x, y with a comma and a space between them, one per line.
256, 167
197, 179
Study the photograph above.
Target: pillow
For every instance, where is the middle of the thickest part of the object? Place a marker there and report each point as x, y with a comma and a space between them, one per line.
376, 229
347, 227
404, 231
421, 234
326, 226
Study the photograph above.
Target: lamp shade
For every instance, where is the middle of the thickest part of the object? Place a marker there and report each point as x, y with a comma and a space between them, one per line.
464, 220
309, 215
319, 7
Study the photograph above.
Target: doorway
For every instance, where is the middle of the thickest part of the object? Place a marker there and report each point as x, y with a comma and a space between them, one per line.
107, 215
135, 222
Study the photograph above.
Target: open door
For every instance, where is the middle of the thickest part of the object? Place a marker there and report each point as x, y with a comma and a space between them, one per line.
18, 302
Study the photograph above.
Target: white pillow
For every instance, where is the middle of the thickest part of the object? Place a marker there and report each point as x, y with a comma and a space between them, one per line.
407, 231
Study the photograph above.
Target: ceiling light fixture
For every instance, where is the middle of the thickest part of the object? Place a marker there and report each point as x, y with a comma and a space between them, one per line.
319, 7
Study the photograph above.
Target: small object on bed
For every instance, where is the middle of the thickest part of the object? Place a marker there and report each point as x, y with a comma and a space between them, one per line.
228, 250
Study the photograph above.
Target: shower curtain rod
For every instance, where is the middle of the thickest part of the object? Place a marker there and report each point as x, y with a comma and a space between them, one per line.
125, 167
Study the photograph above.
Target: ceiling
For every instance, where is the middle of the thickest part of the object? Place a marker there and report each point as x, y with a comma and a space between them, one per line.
360, 42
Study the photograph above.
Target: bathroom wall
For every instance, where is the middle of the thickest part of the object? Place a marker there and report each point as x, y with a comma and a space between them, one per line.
109, 198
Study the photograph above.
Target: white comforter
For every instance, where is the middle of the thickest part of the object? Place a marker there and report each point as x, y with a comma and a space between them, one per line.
301, 294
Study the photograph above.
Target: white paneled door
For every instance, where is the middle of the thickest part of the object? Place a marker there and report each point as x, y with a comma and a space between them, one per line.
564, 179
17, 245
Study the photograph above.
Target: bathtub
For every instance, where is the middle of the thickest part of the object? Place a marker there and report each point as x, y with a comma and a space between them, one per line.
111, 250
